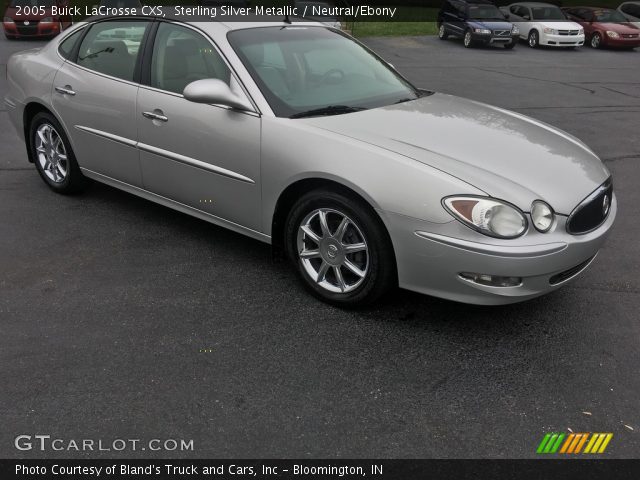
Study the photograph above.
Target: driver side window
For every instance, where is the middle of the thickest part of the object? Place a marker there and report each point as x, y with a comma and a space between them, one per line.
181, 56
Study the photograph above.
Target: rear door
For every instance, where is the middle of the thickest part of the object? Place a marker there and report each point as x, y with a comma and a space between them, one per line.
203, 156
95, 95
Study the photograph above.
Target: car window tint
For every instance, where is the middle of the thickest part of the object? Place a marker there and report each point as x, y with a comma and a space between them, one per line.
112, 48
66, 46
631, 9
181, 56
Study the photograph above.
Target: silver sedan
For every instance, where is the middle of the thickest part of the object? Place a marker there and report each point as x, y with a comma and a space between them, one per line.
299, 136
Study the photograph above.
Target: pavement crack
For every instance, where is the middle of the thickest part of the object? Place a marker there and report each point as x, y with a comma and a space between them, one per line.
622, 157
557, 82
621, 93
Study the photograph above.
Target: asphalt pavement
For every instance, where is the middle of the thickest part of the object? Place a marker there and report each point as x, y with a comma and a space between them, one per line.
121, 319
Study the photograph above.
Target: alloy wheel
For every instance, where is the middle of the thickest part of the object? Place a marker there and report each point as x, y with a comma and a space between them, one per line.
533, 39
51, 153
467, 39
333, 250
595, 41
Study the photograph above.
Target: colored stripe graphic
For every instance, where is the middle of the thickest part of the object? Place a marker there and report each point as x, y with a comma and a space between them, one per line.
598, 443
573, 443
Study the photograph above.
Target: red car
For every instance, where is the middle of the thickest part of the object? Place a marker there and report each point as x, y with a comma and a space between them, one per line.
604, 27
34, 18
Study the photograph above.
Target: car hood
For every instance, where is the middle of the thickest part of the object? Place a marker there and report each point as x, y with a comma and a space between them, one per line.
619, 27
560, 25
12, 13
491, 24
502, 153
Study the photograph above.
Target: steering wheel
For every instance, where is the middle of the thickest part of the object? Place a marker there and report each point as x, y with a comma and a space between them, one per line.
334, 74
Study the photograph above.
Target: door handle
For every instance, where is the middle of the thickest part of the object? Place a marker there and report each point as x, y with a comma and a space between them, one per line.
155, 116
66, 90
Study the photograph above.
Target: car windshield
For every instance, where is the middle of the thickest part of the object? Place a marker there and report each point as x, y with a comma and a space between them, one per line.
32, 3
301, 69
547, 13
612, 16
485, 12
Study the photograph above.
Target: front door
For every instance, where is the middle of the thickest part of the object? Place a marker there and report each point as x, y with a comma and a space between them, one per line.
204, 156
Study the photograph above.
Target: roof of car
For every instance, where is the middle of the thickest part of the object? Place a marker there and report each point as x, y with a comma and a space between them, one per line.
478, 2
534, 4
235, 22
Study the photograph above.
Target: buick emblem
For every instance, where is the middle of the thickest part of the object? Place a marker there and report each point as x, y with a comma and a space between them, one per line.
606, 204
26, 22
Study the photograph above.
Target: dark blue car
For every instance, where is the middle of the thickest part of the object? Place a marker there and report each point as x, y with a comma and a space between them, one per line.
477, 22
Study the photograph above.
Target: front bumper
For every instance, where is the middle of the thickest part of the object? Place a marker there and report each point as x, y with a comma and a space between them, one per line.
552, 40
35, 30
622, 42
430, 258
493, 39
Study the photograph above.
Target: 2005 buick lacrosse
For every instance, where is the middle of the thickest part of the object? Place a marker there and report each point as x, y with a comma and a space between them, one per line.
299, 136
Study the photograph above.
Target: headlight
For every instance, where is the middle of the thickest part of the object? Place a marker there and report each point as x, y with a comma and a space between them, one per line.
515, 30
488, 216
552, 31
581, 31
611, 34
7, 20
542, 216
47, 20
482, 31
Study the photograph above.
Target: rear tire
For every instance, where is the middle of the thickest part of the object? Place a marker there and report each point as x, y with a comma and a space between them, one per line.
340, 248
52, 154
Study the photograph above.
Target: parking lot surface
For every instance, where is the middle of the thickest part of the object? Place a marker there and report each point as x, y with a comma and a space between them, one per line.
123, 319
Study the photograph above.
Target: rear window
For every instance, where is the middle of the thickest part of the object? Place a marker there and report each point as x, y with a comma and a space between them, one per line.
112, 47
66, 46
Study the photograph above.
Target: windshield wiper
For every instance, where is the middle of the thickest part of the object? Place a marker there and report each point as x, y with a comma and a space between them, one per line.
329, 110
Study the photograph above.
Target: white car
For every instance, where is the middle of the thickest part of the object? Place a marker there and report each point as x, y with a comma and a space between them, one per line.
631, 11
544, 24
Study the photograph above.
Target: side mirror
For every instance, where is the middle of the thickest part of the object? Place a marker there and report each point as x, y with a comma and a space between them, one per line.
214, 91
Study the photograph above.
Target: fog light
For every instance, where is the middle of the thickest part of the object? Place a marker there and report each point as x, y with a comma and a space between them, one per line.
491, 280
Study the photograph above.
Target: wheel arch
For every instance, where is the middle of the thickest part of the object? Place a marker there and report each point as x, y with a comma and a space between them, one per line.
31, 109
299, 187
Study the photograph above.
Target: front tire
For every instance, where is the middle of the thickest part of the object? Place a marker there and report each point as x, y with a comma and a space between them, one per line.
52, 154
340, 249
468, 39
596, 41
534, 39
442, 32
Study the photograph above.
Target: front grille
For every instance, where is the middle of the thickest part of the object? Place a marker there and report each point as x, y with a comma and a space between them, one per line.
502, 33
630, 35
592, 211
31, 29
568, 32
567, 274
